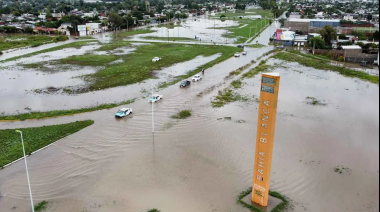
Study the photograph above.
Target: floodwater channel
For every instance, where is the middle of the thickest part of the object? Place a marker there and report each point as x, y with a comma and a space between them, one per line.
204, 162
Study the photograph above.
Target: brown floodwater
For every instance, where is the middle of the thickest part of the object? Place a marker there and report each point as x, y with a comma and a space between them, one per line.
203, 163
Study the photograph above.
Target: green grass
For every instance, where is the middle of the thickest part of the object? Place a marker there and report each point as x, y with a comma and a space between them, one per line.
57, 113
256, 46
279, 208
86, 38
251, 29
262, 67
34, 139
227, 96
18, 41
237, 84
78, 44
42, 206
114, 45
170, 38
153, 210
130, 33
89, 60
324, 65
184, 114
138, 66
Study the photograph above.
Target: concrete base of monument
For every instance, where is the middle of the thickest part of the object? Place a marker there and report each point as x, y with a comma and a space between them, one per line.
272, 203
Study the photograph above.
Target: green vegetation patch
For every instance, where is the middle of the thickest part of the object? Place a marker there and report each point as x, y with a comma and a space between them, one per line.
237, 84
114, 45
138, 66
57, 113
279, 208
262, 67
184, 114
256, 46
153, 210
18, 41
324, 65
315, 101
171, 39
42, 206
227, 96
34, 139
78, 44
130, 33
89, 60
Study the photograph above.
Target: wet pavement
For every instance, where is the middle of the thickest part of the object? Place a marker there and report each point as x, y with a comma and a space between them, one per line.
204, 162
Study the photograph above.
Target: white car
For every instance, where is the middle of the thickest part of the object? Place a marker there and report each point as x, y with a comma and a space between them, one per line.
156, 59
196, 78
244, 53
123, 112
237, 54
155, 98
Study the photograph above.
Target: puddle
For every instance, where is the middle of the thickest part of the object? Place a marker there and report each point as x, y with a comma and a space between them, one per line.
55, 55
185, 67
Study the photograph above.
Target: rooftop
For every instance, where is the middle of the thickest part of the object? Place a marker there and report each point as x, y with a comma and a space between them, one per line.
351, 47
310, 20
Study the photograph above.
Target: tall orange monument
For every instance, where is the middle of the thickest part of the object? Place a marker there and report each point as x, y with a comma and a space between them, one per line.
265, 137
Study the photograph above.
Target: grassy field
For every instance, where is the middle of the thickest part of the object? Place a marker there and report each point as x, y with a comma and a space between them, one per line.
138, 66
170, 38
324, 65
131, 32
89, 60
18, 41
283, 206
57, 113
34, 139
78, 44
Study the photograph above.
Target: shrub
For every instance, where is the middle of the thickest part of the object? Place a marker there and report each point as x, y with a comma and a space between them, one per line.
222, 16
184, 114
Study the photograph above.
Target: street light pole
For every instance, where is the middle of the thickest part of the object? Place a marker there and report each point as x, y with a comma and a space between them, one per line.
27, 172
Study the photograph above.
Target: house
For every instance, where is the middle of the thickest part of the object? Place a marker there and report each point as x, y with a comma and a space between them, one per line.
295, 15
64, 28
44, 30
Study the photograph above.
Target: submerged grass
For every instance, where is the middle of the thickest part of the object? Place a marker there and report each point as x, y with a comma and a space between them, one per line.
78, 44
89, 60
171, 39
227, 96
42, 206
279, 208
34, 139
237, 84
129, 33
324, 65
57, 113
262, 67
184, 114
18, 41
138, 66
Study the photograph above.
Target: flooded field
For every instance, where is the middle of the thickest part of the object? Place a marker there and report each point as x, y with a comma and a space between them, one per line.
204, 162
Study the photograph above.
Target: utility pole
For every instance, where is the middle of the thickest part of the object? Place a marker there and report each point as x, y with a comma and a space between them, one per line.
27, 172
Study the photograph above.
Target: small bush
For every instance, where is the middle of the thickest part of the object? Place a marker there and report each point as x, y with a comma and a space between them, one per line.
41, 206
153, 210
184, 114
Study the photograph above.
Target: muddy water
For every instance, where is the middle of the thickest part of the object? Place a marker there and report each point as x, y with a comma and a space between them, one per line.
202, 163
202, 28
17, 89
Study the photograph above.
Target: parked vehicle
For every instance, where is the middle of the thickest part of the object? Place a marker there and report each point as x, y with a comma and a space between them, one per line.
244, 53
237, 54
123, 112
240, 46
155, 98
280, 47
156, 59
196, 78
185, 84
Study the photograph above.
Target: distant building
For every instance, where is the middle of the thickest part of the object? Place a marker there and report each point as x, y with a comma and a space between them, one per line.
310, 25
295, 15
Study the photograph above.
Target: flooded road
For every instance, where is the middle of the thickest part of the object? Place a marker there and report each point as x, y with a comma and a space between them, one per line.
204, 162
20, 92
